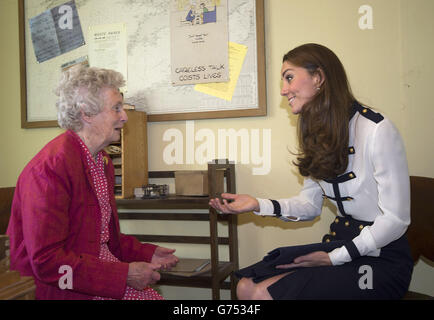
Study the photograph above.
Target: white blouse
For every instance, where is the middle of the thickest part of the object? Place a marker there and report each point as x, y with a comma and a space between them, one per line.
377, 187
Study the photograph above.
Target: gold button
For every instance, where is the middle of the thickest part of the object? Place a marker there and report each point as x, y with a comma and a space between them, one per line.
333, 233
361, 227
351, 150
349, 199
327, 240
365, 110
347, 223
351, 175
336, 220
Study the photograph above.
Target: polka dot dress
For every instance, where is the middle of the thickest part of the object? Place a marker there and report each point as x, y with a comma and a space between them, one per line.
100, 184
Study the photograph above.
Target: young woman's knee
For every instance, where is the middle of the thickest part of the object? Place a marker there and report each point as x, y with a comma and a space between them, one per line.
248, 290
260, 293
244, 288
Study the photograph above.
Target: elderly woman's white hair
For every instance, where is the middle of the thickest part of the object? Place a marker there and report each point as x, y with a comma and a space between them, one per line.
79, 91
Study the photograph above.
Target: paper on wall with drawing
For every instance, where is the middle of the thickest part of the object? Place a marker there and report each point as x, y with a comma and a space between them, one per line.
199, 41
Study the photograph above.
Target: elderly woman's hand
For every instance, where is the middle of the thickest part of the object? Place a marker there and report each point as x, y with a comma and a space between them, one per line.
165, 258
142, 274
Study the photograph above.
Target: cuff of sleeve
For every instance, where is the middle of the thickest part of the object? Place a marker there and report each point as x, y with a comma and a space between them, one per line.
365, 243
352, 250
265, 207
148, 251
272, 208
120, 292
339, 256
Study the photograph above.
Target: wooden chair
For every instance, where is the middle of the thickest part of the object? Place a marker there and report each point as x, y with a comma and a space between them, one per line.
220, 270
421, 230
6, 196
12, 285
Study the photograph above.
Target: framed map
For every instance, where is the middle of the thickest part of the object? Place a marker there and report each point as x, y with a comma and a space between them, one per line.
149, 85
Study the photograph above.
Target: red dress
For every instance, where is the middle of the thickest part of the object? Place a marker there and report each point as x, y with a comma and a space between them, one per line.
100, 183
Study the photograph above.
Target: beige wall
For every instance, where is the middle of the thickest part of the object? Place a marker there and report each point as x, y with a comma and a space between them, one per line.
389, 67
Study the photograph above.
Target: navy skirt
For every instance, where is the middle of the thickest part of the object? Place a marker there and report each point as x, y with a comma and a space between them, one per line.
385, 277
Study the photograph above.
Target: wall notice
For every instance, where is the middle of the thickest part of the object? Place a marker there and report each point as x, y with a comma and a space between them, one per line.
199, 41
108, 48
56, 31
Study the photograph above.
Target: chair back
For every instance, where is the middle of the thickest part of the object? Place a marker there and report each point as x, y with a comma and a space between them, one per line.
421, 230
6, 196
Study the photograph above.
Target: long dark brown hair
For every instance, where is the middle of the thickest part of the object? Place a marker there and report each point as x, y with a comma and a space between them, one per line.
323, 130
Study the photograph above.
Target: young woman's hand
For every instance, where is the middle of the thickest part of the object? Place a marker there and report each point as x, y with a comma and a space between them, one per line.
314, 259
234, 203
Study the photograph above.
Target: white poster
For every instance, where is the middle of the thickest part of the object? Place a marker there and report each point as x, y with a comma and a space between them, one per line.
199, 41
108, 48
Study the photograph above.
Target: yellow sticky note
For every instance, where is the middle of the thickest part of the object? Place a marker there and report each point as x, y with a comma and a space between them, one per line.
225, 90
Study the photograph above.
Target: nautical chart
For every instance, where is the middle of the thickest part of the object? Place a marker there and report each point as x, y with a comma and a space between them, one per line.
149, 71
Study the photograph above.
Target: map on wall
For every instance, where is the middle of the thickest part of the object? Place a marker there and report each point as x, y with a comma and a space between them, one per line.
149, 71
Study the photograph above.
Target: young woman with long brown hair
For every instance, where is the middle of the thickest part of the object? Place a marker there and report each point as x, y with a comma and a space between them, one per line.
356, 158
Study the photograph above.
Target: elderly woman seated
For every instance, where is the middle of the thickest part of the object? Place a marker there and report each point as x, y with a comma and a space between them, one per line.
64, 228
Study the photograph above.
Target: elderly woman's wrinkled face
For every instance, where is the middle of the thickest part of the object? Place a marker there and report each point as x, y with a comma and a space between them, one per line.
108, 123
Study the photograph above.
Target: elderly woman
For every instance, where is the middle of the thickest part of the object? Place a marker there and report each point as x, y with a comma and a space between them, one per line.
64, 229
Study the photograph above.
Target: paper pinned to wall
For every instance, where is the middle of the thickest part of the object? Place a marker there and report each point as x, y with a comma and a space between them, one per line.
199, 41
82, 60
56, 31
107, 46
225, 90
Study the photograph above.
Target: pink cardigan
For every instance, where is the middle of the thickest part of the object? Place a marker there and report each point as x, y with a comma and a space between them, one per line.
56, 221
